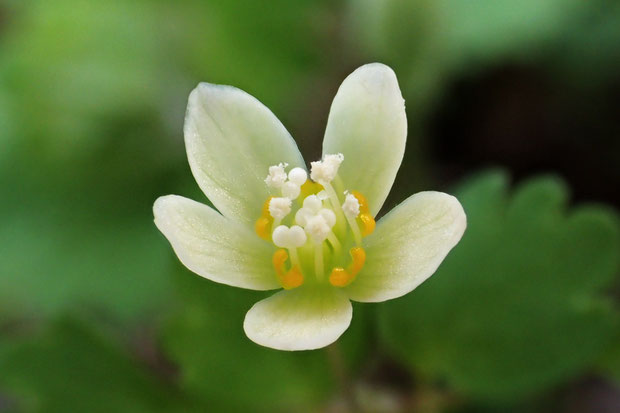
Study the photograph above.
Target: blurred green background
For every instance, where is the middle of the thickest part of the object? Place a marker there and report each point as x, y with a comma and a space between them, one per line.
512, 106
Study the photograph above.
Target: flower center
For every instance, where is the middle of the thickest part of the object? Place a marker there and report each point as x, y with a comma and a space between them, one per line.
311, 224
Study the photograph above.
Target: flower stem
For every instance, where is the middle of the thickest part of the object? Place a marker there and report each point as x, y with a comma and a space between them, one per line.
341, 375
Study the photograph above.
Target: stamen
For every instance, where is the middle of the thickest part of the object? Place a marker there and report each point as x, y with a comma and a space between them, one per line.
326, 170
277, 176
317, 228
298, 176
279, 207
335, 202
313, 203
322, 195
285, 237
290, 190
351, 206
333, 240
329, 216
294, 257
357, 235
334, 161
302, 216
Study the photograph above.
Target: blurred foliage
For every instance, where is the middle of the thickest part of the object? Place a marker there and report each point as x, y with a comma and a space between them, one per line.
93, 95
205, 338
70, 66
433, 40
70, 367
516, 307
609, 363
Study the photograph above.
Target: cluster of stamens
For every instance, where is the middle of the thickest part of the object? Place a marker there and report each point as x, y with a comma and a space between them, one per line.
313, 237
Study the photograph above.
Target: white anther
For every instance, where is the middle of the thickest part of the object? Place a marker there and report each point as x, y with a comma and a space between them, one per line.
313, 204
323, 195
280, 236
302, 215
351, 206
326, 170
317, 228
285, 237
297, 236
320, 172
279, 207
277, 176
334, 161
298, 176
329, 216
290, 190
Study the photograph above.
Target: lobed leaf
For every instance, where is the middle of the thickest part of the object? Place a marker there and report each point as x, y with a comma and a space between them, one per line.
518, 306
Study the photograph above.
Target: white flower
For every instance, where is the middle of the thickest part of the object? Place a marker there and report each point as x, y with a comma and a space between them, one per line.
326, 251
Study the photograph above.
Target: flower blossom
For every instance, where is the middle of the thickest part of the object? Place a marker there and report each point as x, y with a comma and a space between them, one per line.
313, 233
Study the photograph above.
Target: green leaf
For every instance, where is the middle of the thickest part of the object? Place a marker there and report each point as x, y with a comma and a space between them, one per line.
70, 368
56, 257
517, 306
205, 338
70, 68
